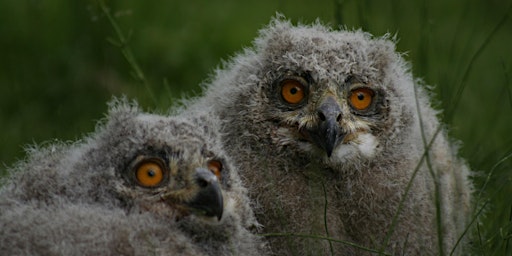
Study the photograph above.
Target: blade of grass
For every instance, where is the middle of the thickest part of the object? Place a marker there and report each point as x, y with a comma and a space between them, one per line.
425, 32
486, 245
490, 174
437, 195
361, 11
338, 17
462, 84
488, 242
455, 42
509, 236
425, 29
400, 207
126, 50
475, 217
480, 242
325, 218
394, 221
427, 147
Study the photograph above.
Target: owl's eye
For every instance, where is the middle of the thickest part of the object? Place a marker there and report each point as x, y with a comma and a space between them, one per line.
361, 98
215, 167
149, 173
292, 91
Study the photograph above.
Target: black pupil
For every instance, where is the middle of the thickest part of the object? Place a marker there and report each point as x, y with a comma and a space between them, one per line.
151, 173
360, 96
294, 90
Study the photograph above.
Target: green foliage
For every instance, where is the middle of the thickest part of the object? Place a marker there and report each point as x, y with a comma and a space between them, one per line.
63, 60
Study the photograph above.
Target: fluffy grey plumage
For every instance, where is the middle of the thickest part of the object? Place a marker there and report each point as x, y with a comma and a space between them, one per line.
327, 130
103, 195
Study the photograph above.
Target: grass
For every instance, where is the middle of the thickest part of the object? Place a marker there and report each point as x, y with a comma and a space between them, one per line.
59, 69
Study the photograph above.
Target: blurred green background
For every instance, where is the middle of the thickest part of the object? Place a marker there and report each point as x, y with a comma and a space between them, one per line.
58, 69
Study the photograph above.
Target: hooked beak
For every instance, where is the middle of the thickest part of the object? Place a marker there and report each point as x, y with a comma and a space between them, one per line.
328, 133
208, 201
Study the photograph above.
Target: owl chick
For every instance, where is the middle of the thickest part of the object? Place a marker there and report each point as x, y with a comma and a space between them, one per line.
142, 184
332, 134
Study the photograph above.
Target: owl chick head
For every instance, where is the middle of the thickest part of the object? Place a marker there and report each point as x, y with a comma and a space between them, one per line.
158, 164
139, 184
334, 94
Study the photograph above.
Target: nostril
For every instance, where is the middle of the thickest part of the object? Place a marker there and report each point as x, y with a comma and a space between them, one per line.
202, 182
338, 118
321, 116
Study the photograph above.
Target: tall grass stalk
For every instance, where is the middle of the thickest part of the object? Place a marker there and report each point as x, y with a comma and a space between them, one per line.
338, 17
424, 157
427, 146
361, 8
425, 31
485, 243
462, 85
489, 176
480, 239
510, 234
466, 230
325, 217
400, 207
437, 194
122, 43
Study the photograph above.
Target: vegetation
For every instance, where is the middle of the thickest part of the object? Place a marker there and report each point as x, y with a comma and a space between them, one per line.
63, 60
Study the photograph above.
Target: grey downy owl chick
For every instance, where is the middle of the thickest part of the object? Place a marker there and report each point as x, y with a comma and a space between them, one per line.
328, 128
141, 184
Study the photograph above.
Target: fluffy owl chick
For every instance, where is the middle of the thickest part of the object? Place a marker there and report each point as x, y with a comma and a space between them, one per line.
140, 185
328, 128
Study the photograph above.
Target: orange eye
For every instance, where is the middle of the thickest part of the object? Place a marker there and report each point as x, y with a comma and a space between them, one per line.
149, 174
215, 167
361, 98
292, 91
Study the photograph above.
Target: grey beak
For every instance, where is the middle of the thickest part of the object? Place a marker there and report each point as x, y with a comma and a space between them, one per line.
328, 134
208, 200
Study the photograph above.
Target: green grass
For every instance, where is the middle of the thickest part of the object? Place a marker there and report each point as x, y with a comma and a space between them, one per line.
62, 61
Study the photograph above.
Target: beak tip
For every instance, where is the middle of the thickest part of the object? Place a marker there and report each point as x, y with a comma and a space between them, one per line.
330, 144
209, 198
328, 149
